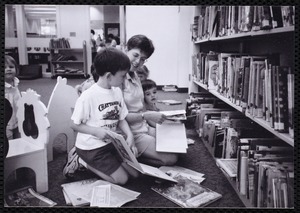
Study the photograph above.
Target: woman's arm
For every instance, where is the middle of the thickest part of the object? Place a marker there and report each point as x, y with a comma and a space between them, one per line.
136, 117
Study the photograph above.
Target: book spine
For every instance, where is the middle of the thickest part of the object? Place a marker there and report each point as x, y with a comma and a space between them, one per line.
282, 92
245, 85
290, 82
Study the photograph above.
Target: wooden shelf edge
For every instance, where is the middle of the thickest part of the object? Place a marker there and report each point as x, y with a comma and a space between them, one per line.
283, 136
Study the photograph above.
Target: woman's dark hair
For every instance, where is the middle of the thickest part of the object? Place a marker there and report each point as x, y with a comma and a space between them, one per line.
148, 84
141, 42
110, 60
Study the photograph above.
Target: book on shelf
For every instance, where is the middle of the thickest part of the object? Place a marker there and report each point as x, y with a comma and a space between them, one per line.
187, 193
291, 100
213, 71
27, 197
80, 193
229, 166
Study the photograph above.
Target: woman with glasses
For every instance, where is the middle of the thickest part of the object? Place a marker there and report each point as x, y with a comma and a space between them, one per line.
139, 48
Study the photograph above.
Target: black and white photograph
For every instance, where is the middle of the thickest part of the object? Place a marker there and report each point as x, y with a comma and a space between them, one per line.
230, 69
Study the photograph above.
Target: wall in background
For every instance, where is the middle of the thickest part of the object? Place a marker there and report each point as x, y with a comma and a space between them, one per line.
168, 28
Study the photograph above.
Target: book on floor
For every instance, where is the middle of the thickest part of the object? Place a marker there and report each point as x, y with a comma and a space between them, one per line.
82, 193
188, 173
128, 157
169, 102
27, 197
187, 193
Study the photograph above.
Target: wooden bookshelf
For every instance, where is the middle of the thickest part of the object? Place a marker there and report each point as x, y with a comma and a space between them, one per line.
252, 43
79, 63
283, 136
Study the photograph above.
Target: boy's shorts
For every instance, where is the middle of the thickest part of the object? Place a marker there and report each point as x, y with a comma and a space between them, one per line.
105, 159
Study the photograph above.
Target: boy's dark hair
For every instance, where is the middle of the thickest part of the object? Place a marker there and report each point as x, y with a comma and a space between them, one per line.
110, 60
148, 84
10, 60
141, 42
93, 31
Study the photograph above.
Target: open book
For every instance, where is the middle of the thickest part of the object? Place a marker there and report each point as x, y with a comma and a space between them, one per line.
129, 158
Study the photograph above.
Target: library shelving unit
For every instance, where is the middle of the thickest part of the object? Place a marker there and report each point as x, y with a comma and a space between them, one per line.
69, 61
263, 42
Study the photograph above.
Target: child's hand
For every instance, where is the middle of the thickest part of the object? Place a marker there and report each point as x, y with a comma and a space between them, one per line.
156, 117
102, 134
134, 151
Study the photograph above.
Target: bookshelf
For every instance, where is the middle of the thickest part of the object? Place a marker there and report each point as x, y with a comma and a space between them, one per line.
69, 61
207, 38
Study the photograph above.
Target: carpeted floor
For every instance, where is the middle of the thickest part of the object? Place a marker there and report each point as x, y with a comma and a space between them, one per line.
197, 158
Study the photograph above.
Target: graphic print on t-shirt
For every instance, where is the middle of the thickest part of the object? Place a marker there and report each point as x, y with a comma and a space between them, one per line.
112, 110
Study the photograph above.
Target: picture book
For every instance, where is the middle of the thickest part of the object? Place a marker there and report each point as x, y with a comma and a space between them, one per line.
187, 193
28, 197
128, 157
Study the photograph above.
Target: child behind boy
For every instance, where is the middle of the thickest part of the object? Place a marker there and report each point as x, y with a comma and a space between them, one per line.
12, 94
150, 90
98, 109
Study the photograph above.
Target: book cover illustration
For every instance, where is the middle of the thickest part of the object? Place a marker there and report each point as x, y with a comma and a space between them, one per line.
187, 193
27, 197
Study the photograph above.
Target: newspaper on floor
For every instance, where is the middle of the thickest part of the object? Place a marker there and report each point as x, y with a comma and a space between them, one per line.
80, 193
184, 172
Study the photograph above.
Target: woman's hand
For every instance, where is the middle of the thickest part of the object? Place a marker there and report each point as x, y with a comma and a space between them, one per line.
156, 117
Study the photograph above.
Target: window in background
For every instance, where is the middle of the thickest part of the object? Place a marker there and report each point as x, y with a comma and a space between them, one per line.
10, 21
40, 20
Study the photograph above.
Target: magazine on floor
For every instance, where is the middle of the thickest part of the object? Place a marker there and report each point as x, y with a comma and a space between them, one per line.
27, 197
187, 193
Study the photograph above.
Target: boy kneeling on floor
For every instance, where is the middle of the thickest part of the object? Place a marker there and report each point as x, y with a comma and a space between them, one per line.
99, 109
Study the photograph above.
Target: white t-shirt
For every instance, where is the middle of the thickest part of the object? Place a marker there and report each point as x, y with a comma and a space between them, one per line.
98, 107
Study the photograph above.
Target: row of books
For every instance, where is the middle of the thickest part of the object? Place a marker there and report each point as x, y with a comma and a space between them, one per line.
218, 21
63, 57
260, 164
256, 83
63, 69
265, 172
59, 43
